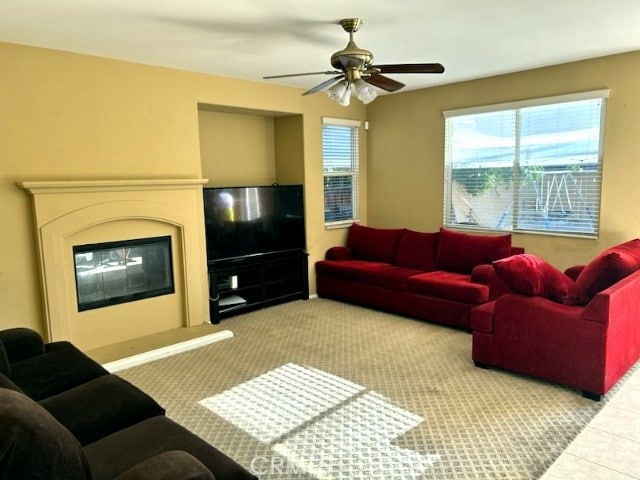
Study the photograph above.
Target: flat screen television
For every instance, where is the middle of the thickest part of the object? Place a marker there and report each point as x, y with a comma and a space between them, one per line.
256, 220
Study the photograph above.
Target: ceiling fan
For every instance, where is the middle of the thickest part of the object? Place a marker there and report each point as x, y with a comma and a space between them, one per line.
355, 71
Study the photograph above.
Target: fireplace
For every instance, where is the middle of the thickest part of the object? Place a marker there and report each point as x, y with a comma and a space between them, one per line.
110, 273
95, 243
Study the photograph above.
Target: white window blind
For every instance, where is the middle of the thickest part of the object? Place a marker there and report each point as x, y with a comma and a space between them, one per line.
340, 159
534, 166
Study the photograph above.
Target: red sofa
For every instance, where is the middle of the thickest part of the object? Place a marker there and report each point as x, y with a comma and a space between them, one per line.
437, 276
584, 333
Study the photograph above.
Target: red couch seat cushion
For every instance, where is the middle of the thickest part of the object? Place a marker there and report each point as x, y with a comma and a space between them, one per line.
348, 269
531, 275
376, 244
609, 267
449, 286
417, 250
372, 273
461, 252
393, 278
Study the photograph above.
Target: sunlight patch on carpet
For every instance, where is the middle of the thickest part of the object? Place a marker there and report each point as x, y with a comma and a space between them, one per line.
323, 424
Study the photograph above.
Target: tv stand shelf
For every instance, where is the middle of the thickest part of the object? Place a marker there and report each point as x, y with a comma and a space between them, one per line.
242, 284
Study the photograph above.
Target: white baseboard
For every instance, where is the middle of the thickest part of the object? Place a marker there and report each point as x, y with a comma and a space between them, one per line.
163, 352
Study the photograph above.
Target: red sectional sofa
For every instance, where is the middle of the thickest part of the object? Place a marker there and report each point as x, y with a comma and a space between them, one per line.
437, 276
580, 329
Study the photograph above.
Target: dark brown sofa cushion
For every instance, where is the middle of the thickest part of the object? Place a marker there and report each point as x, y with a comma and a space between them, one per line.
172, 465
5, 382
100, 407
21, 343
117, 453
61, 367
33, 444
5, 367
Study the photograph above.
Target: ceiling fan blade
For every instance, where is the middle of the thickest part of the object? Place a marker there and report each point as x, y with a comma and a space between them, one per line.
323, 85
410, 68
327, 72
385, 83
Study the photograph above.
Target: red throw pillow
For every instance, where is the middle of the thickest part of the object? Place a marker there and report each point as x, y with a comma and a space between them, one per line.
530, 275
461, 252
417, 250
609, 267
376, 244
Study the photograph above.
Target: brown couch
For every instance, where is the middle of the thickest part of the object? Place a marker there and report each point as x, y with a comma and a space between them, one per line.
63, 416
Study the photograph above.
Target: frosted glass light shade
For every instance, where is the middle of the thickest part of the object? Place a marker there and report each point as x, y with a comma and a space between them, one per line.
340, 93
365, 92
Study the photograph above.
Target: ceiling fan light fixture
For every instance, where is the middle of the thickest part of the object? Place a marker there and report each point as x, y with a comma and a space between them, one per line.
340, 93
365, 92
353, 62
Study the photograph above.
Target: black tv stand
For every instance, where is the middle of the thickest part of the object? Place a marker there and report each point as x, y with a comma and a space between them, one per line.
238, 285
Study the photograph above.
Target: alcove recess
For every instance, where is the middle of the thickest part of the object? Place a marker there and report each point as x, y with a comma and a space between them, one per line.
242, 146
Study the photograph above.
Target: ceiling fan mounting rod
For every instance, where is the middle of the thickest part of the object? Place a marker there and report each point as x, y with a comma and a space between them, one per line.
351, 56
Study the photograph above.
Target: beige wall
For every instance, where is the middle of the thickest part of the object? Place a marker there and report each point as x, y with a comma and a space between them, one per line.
69, 116
236, 149
406, 145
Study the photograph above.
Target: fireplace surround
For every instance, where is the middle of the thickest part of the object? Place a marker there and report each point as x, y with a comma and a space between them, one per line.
78, 212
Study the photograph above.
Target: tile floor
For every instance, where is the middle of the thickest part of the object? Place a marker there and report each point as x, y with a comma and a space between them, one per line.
607, 449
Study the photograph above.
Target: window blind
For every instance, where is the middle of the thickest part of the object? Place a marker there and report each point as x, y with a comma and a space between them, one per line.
533, 167
340, 159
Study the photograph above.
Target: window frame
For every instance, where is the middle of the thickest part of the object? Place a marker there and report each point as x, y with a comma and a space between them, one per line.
353, 172
602, 95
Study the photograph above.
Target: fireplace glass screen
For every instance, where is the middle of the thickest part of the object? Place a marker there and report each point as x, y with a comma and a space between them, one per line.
125, 271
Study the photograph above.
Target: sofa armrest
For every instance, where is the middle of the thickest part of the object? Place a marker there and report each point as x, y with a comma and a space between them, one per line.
618, 302
527, 310
339, 253
573, 272
21, 343
481, 273
171, 465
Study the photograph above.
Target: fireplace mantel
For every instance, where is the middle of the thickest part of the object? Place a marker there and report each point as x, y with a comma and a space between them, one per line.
40, 187
77, 212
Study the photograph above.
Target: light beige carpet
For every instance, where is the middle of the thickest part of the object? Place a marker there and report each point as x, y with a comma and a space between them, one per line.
321, 389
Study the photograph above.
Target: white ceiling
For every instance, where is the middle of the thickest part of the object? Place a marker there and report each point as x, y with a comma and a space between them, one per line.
252, 38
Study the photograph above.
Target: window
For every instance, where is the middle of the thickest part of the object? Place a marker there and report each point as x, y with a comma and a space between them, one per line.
531, 166
340, 171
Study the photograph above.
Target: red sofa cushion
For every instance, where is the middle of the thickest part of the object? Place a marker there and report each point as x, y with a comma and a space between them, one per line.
371, 273
531, 275
377, 244
450, 286
460, 252
609, 267
417, 250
